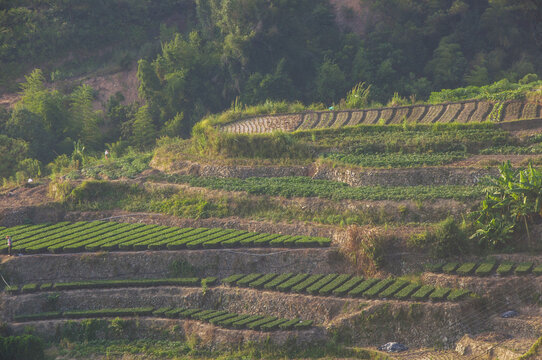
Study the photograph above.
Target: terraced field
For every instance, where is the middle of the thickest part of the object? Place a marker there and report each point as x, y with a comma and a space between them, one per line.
472, 111
345, 285
215, 317
66, 237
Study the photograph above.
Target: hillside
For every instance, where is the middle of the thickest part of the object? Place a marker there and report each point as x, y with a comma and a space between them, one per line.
264, 179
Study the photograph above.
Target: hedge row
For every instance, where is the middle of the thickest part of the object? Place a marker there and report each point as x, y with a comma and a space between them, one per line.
345, 285
103, 284
110, 236
215, 317
486, 268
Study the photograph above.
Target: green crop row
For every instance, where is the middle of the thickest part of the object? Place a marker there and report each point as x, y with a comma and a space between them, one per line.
98, 284
45, 235
110, 236
395, 160
77, 314
307, 187
215, 317
486, 268
345, 285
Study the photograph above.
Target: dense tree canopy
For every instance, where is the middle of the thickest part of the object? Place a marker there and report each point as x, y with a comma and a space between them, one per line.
198, 57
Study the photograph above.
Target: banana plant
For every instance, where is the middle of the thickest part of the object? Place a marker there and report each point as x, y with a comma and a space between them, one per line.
513, 200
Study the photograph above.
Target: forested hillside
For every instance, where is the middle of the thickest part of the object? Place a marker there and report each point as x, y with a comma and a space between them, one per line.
199, 57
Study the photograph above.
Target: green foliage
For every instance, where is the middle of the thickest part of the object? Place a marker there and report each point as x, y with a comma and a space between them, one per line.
502, 90
513, 201
12, 151
143, 132
307, 187
21, 347
394, 160
358, 97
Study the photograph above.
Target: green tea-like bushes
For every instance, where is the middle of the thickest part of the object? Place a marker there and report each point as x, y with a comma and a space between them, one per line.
440, 294
288, 284
262, 281
377, 288
127, 283
334, 284
524, 268
302, 286
466, 269
347, 286
140, 311
423, 292
247, 279
277, 281
449, 268
458, 294
505, 268
232, 279
40, 316
485, 268
394, 288
110, 236
27, 288
362, 287
315, 288
406, 292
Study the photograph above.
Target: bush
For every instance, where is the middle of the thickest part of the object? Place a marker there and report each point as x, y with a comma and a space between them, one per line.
446, 239
23, 347
366, 248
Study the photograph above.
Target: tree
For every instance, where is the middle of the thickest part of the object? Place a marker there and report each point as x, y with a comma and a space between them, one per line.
11, 152
448, 65
144, 131
84, 116
28, 126
329, 82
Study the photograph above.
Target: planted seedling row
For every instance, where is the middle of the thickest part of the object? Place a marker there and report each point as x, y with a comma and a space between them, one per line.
216, 317
486, 268
110, 236
345, 285
103, 284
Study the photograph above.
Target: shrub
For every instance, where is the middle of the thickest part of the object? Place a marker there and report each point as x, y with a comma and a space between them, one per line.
21, 347
524, 268
466, 268
485, 268
406, 292
440, 294
505, 268
366, 248
446, 239
423, 292
458, 294
347, 286
450, 267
